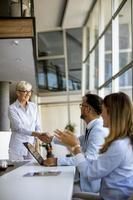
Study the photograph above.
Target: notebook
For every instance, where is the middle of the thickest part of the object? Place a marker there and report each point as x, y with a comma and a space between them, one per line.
34, 152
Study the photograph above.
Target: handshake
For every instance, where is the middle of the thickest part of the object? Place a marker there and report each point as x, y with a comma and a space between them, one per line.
66, 138
44, 137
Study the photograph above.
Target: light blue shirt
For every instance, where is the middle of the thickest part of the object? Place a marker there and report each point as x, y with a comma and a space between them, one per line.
91, 151
114, 167
23, 122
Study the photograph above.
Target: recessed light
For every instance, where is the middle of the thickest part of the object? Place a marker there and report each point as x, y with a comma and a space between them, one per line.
18, 59
15, 42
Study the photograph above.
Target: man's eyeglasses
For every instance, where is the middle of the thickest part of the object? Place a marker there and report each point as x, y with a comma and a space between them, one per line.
82, 105
25, 91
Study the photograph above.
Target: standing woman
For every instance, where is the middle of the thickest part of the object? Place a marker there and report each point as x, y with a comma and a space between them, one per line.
115, 163
24, 120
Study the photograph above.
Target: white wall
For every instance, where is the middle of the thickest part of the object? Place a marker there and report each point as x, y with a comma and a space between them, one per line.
54, 114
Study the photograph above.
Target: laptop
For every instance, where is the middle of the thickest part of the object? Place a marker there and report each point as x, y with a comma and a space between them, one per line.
40, 160
34, 152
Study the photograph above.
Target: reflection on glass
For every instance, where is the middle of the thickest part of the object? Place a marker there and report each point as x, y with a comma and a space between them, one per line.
116, 4
125, 82
17, 8
74, 52
96, 64
108, 89
52, 80
51, 75
88, 39
106, 16
50, 43
41, 79
93, 24
108, 53
125, 47
87, 73
124, 58
26, 8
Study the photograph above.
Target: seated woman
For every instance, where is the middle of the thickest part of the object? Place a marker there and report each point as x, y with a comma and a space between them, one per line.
115, 163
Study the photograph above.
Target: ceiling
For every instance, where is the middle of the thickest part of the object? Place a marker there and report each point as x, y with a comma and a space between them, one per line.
16, 55
51, 14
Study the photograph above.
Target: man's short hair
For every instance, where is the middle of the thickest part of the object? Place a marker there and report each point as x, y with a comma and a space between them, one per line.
95, 102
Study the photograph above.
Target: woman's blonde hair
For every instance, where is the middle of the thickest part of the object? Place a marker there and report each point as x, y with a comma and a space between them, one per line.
120, 110
23, 85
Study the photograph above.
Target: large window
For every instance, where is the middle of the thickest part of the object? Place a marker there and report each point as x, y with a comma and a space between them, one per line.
93, 25
87, 77
125, 48
106, 5
108, 53
125, 82
50, 43
59, 60
51, 75
107, 89
110, 57
96, 68
74, 55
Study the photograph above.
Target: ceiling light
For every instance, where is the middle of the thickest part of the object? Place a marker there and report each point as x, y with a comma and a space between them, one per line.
15, 42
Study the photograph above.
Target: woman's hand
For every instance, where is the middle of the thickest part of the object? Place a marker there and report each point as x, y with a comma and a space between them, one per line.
50, 162
44, 137
67, 137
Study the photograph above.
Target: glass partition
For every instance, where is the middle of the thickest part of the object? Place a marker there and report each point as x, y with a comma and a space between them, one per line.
108, 89
74, 56
108, 53
87, 73
93, 25
105, 16
16, 8
116, 4
51, 75
50, 43
96, 64
125, 82
125, 41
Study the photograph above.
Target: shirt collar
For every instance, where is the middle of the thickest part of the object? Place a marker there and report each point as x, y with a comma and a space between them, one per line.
19, 104
91, 123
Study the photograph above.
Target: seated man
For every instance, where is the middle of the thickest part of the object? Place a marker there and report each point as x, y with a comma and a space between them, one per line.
90, 142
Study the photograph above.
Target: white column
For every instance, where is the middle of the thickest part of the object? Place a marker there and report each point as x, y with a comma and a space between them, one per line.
4, 103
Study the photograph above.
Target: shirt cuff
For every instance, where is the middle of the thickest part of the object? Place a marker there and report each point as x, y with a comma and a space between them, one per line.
79, 158
59, 161
29, 133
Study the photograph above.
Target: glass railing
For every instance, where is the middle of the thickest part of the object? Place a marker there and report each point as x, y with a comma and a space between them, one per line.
16, 8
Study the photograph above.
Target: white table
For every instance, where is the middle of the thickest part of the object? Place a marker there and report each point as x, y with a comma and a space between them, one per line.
13, 186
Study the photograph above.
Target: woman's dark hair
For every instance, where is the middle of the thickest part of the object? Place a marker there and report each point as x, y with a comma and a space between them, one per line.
95, 102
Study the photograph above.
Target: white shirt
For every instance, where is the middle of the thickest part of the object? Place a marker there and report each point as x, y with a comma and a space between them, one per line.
114, 167
23, 122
